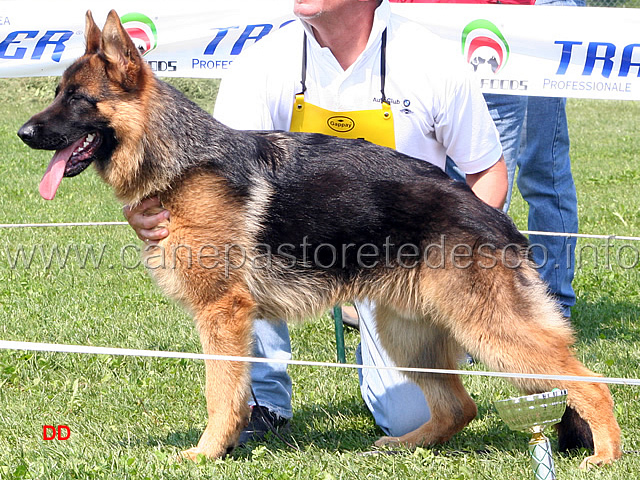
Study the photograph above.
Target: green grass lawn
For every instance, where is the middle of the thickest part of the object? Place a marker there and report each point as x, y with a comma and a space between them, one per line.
129, 417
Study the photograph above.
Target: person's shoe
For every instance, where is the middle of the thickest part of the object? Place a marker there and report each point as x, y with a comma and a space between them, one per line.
262, 421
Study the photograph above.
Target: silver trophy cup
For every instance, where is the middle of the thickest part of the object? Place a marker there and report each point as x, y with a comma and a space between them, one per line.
533, 413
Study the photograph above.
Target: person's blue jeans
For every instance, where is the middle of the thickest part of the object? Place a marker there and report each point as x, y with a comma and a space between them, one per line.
270, 381
382, 390
397, 404
562, 3
546, 184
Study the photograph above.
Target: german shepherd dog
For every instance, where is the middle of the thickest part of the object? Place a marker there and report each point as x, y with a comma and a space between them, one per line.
286, 225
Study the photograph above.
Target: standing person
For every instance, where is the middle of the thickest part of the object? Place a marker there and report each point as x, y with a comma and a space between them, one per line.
546, 184
535, 139
353, 59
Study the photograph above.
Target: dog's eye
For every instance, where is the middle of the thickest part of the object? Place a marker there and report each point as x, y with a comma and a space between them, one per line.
74, 96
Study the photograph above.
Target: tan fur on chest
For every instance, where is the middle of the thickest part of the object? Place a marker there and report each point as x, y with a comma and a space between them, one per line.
202, 257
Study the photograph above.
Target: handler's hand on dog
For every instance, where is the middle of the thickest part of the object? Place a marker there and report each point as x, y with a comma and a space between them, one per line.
146, 219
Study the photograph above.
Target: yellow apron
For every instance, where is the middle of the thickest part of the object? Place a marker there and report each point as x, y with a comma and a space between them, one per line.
375, 126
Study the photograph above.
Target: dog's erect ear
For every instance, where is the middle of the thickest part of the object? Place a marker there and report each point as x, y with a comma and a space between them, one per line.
91, 34
125, 61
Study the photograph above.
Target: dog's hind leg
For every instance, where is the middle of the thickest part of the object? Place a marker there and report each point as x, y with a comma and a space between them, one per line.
418, 343
225, 329
510, 323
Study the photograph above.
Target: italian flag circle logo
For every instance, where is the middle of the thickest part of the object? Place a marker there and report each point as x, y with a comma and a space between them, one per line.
484, 46
142, 31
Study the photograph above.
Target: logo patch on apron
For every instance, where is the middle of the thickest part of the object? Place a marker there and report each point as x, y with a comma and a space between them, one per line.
341, 124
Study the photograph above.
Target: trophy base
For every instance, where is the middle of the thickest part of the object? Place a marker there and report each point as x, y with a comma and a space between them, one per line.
541, 459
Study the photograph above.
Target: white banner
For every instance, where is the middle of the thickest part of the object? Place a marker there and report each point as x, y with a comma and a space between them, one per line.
532, 50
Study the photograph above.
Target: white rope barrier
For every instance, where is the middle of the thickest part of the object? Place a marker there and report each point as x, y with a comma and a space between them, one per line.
62, 348
72, 224
84, 349
579, 235
524, 232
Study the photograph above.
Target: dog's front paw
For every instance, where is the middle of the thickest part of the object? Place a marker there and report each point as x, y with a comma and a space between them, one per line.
191, 454
195, 454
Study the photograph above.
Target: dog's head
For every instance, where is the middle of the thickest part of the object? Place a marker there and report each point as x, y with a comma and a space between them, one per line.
90, 110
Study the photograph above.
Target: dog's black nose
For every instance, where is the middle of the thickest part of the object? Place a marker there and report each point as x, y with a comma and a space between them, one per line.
27, 132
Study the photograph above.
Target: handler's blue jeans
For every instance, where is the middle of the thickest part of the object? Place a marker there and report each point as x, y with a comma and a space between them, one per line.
270, 381
382, 390
397, 404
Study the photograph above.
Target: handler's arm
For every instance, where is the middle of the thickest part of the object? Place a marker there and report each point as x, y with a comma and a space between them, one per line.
490, 185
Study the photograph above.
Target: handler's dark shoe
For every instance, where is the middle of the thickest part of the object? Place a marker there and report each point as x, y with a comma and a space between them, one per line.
262, 421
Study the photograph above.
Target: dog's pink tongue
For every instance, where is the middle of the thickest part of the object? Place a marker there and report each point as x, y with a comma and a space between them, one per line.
55, 171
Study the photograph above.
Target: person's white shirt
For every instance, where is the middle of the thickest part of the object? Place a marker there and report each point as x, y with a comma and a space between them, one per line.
438, 110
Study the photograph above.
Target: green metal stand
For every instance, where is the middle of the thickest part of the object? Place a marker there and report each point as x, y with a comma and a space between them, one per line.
337, 316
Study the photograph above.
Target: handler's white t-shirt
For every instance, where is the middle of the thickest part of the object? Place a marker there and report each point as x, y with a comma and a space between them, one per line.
438, 109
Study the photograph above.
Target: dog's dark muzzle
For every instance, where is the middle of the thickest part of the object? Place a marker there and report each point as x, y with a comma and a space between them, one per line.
37, 136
